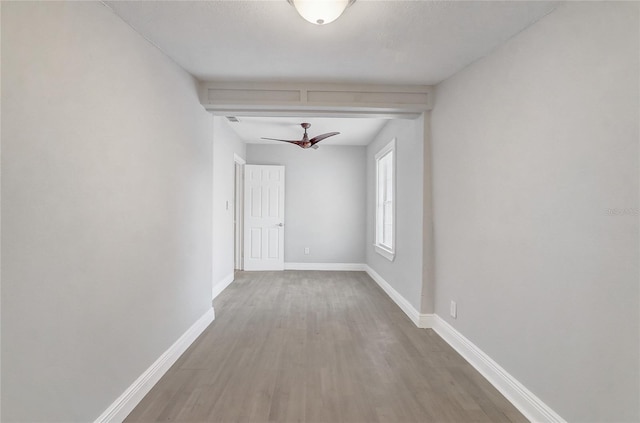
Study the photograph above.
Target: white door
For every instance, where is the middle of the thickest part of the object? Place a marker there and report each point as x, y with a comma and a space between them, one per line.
263, 217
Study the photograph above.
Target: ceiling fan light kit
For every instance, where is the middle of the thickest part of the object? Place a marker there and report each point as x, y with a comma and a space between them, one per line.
321, 12
305, 142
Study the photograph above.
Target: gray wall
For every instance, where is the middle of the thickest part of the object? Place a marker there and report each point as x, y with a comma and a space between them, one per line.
324, 200
226, 143
106, 208
404, 274
531, 146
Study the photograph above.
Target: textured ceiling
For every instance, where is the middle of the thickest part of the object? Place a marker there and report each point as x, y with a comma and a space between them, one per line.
353, 131
381, 42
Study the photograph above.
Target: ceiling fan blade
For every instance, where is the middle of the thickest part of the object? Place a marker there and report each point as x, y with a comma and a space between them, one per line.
298, 143
319, 138
275, 139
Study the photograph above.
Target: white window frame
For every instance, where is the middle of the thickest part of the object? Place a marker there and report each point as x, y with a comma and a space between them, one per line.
386, 251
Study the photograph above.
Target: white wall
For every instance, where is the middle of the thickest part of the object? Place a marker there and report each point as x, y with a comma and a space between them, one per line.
106, 211
531, 146
325, 195
404, 274
226, 143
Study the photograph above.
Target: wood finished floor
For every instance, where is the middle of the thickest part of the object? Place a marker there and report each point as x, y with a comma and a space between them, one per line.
308, 346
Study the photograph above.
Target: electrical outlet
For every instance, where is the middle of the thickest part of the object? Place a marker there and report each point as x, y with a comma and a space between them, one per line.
306, 251
453, 310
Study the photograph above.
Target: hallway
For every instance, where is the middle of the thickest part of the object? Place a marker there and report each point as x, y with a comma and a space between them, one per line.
310, 346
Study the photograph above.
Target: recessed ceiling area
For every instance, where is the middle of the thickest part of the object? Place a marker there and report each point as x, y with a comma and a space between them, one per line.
374, 42
353, 131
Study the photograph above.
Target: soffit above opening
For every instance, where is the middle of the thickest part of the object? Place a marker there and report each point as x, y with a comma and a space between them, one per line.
327, 100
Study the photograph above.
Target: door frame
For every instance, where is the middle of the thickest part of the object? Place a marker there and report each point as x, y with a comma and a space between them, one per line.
238, 212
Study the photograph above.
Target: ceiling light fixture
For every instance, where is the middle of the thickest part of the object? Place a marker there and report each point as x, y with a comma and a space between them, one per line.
321, 12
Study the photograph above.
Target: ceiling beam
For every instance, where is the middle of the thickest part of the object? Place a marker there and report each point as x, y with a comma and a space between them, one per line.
330, 100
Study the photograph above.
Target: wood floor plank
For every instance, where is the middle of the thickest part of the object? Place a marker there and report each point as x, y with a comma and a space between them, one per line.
325, 347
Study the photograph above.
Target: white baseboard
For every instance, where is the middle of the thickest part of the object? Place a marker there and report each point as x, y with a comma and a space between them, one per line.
325, 266
524, 400
420, 320
126, 402
221, 285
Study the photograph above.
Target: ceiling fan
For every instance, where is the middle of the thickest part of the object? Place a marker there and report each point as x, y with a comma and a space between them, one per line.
305, 142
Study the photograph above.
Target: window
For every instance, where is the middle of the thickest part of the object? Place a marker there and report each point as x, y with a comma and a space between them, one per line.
385, 200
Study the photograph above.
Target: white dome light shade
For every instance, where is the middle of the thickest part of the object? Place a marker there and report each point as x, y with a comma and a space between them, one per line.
320, 12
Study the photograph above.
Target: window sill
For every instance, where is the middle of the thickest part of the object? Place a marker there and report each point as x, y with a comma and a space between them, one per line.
389, 255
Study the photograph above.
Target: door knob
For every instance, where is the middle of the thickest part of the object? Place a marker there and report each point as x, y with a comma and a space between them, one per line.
281, 224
